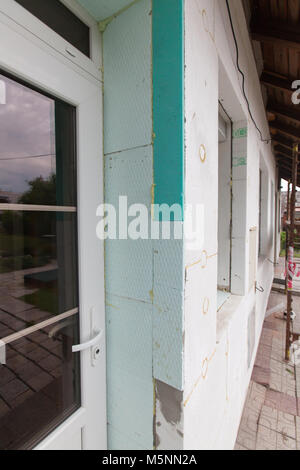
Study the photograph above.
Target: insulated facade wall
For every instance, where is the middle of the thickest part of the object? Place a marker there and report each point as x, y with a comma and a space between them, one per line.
220, 348
177, 370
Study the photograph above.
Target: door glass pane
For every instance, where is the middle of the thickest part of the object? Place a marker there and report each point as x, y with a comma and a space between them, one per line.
39, 385
37, 152
38, 266
59, 18
39, 377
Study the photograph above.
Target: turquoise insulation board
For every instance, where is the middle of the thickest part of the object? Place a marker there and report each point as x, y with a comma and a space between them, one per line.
168, 102
129, 264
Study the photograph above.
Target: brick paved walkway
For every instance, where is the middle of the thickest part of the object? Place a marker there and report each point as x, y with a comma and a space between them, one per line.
271, 418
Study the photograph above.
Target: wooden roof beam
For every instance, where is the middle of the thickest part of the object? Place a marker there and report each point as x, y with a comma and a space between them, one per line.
275, 32
290, 112
287, 173
283, 164
289, 131
284, 141
274, 81
287, 161
280, 149
282, 157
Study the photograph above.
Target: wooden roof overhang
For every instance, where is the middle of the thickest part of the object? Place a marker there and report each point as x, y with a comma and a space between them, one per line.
276, 25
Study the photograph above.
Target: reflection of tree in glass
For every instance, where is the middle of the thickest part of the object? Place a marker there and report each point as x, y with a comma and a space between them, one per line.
42, 192
3, 199
28, 238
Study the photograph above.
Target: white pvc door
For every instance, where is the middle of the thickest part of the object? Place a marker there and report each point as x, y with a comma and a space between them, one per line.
52, 320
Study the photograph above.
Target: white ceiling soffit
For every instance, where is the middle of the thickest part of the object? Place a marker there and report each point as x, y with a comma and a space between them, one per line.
102, 9
222, 129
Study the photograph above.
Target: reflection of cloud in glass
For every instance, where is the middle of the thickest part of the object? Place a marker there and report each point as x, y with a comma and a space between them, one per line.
15, 174
27, 129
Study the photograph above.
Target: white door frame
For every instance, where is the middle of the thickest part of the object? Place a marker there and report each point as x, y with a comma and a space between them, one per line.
28, 56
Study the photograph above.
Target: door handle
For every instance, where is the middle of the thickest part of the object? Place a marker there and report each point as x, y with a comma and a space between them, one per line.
89, 344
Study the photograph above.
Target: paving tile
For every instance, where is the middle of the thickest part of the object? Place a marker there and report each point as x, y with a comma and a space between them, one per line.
12, 322
261, 375
17, 363
3, 408
40, 381
50, 363
257, 397
25, 348
247, 439
12, 390
7, 437
276, 382
33, 315
268, 418
31, 370
11, 305
277, 344
288, 404
282, 402
258, 390
298, 428
277, 355
285, 443
21, 292
6, 376
5, 331
276, 367
266, 439
57, 372
273, 399
262, 362
288, 371
250, 420
37, 354
21, 399
286, 425
288, 390
267, 338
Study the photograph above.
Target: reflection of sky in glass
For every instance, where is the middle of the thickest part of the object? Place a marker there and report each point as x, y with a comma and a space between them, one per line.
27, 129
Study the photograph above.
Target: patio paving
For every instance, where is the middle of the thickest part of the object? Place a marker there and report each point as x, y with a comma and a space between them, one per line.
271, 418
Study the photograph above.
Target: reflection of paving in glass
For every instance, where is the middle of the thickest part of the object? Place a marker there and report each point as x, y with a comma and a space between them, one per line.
13, 292
37, 385
40, 383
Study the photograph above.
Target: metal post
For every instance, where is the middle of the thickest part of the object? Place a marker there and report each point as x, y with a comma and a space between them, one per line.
288, 213
288, 201
291, 251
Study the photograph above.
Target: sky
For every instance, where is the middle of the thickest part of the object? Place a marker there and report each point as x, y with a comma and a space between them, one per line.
284, 186
27, 128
